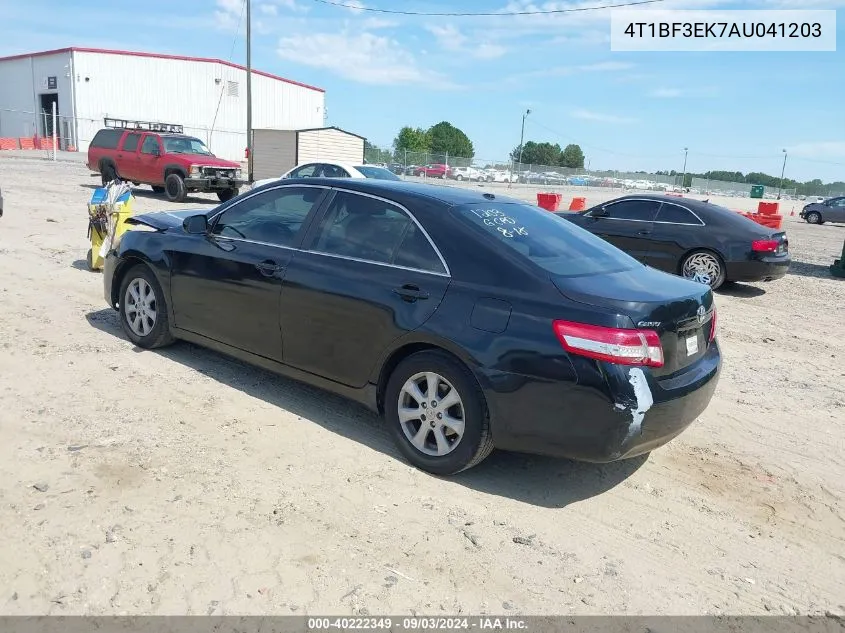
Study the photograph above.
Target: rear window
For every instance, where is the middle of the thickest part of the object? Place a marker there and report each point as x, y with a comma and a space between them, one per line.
549, 241
107, 139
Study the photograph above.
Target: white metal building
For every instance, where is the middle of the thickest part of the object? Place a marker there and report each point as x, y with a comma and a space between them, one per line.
277, 151
206, 96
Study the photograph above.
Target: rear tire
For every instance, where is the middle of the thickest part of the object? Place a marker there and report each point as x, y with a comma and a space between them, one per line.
174, 188
143, 309
813, 217
704, 267
107, 173
451, 431
226, 194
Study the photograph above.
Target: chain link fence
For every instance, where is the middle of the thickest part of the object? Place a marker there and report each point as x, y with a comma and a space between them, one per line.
18, 127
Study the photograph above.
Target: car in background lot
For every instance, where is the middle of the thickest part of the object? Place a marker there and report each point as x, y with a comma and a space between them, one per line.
437, 170
172, 163
832, 210
329, 169
498, 175
468, 320
697, 240
466, 173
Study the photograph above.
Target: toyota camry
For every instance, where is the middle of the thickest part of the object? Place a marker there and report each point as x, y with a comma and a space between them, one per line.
469, 321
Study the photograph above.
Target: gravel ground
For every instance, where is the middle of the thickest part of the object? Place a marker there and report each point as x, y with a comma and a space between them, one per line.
181, 482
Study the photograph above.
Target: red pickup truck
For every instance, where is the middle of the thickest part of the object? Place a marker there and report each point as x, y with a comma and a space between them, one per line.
434, 171
171, 162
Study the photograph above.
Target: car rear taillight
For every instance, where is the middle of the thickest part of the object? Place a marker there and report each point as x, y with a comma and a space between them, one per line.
764, 246
713, 326
614, 345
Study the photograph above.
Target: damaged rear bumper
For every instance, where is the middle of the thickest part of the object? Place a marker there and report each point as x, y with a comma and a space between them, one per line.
612, 413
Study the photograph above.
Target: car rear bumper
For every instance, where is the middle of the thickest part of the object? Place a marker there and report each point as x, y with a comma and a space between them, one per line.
583, 422
214, 184
765, 269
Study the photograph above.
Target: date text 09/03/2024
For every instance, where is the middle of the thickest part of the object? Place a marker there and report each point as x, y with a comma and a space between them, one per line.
486, 623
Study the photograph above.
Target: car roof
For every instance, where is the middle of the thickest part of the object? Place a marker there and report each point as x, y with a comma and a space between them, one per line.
446, 194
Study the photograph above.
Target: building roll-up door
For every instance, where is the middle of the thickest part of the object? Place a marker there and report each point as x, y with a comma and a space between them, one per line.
274, 152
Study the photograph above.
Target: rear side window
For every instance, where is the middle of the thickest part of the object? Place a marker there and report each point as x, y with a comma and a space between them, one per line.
676, 215
554, 244
644, 210
130, 143
107, 139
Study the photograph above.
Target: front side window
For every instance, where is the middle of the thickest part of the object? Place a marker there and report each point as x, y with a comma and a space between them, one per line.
150, 145
185, 145
273, 217
374, 230
556, 245
333, 171
644, 210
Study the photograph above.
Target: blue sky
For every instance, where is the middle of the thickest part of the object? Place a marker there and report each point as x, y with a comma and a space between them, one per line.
734, 111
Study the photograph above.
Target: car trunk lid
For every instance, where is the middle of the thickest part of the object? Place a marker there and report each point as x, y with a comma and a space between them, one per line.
680, 311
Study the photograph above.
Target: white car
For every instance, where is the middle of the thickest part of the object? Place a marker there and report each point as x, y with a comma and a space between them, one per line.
498, 175
467, 173
332, 169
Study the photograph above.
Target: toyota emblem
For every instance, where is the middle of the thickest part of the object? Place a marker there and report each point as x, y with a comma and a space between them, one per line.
701, 314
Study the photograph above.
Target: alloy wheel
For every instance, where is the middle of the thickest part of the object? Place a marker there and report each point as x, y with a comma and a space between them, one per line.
140, 311
431, 414
703, 268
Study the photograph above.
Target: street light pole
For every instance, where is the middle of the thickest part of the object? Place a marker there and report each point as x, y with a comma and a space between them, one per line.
782, 172
684, 177
249, 91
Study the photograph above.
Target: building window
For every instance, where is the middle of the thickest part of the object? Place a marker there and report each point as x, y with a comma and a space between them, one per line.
232, 88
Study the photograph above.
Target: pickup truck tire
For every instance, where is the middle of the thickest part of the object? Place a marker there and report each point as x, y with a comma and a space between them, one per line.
174, 188
157, 189
227, 194
107, 173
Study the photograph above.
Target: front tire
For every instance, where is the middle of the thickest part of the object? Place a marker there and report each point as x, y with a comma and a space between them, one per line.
813, 217
174, 188
143, 309
437, 414
459, 178
226, 194
705, 267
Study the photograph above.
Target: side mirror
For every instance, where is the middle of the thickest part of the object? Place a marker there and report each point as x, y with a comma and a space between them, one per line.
601, 212
195, 225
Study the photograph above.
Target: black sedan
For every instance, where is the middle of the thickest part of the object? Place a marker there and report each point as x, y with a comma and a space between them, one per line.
697, 240
468, 320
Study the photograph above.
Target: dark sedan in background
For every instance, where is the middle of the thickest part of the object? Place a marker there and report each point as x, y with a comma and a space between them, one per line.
468, 320
831, 210
697, 240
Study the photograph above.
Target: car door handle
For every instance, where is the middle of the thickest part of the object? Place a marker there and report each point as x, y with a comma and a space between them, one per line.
269, 268
411, 293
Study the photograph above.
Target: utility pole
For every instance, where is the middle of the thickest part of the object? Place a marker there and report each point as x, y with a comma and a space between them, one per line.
782, 172
249, 91
522, 137
684, 177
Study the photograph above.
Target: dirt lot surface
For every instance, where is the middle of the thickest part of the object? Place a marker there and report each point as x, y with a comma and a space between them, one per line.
179, 481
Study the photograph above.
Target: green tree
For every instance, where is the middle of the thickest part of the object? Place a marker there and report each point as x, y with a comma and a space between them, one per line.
412, 139
373, 154
445, 138
572, 157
